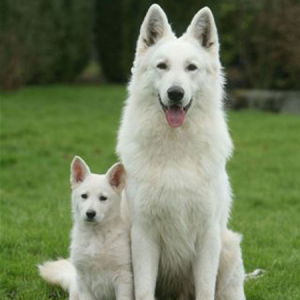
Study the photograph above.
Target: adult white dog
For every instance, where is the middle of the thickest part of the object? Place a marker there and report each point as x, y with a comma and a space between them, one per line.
174, 143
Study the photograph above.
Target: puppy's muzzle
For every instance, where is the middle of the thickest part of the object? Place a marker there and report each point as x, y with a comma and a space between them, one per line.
90, 214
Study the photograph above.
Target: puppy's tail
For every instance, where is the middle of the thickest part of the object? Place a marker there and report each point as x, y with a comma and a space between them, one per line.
60, 272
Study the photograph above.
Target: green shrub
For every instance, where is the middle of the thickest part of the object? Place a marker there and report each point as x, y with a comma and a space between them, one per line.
261, 43
109, 38
43, 41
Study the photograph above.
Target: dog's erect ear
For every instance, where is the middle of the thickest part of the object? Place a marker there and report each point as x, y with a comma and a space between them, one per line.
116, 177
203, 29
79, 170
155, 26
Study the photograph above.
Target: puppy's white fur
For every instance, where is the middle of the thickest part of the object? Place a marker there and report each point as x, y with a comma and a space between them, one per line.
177, 190
100, 263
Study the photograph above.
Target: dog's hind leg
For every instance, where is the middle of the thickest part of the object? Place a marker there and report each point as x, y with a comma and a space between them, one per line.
231, 274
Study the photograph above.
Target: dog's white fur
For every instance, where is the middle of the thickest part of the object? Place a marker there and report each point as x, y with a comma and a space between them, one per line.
177, 190
100, 262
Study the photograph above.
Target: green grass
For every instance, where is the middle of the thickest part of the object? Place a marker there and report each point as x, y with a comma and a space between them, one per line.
42, 128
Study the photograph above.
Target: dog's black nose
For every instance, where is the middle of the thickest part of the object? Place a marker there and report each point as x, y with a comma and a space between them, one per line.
175, 93
91, 214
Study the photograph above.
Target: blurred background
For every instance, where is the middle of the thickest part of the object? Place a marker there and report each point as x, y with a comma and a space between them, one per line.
50, 41
63, 69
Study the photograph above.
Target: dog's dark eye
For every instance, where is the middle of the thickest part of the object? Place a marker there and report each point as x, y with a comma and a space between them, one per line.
162, 66
102, 198
191, 67
84, 196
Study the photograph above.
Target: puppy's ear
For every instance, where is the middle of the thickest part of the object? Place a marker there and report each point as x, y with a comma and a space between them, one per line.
154, 27
203, 29
79, 171
116, 177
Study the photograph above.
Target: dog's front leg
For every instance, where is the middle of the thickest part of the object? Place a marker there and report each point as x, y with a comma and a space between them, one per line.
124, 286
206, 263
145, 258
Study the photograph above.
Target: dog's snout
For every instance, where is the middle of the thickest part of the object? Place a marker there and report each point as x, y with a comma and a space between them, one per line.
175, 93
91, 214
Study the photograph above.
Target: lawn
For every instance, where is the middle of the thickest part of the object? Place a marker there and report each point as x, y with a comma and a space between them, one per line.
42, 128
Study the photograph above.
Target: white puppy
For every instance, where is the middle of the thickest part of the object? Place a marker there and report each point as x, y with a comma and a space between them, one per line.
100, 263
174, 143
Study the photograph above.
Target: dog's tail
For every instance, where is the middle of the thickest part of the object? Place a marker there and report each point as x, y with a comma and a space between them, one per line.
60, 272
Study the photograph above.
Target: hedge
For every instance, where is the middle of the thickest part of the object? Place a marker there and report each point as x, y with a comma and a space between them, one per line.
43, 41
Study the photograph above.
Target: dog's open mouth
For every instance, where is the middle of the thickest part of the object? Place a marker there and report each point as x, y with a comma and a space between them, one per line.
175, 114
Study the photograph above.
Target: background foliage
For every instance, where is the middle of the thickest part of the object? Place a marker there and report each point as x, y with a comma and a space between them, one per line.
52, 40
43, 41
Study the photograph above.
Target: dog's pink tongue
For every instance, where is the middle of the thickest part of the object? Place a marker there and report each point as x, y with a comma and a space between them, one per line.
175, 116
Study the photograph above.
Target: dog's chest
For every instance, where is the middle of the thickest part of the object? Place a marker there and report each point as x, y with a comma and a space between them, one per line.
98, 253
171, 191
99, 260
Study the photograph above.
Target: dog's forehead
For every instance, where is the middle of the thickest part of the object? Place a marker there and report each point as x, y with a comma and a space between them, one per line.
178, 50
95, 183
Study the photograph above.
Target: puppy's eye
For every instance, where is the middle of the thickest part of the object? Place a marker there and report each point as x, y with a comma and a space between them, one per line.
162, 66
84, 196
102, 198
191, 67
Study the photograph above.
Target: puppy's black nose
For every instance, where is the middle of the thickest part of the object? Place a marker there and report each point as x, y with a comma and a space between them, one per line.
91, 214
175, 93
